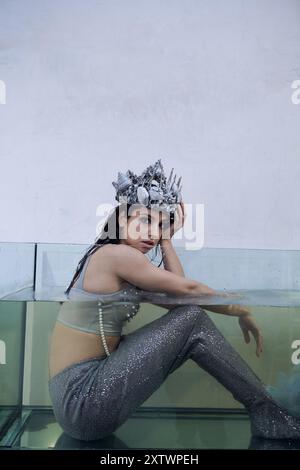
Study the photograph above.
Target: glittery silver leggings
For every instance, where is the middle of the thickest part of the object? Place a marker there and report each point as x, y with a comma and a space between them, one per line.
92, 398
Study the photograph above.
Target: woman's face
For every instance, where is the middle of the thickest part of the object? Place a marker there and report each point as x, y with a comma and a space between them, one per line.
144, 228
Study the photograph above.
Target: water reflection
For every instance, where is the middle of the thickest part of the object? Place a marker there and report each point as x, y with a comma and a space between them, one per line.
110, 442
249, 297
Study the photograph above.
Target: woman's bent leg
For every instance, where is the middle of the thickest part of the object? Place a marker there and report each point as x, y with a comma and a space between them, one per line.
93, 398
211, 351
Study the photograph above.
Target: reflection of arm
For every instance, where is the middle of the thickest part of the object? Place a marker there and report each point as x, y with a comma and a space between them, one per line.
224, 309
231, 310
234, 310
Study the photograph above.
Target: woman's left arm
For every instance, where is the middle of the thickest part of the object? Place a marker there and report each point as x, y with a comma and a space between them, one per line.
171, 263
170, 258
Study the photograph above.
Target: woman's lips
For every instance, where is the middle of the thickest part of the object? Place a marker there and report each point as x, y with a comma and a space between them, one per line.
148, 243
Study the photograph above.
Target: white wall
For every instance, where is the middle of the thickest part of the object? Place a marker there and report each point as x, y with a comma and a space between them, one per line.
93, 87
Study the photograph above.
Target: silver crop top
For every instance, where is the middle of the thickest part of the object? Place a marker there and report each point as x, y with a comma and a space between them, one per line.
99, 313
106, 313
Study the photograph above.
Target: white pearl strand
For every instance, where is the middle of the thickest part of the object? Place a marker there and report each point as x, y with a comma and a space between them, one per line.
101, 327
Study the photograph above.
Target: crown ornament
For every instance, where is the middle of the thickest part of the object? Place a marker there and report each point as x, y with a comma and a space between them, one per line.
151, 189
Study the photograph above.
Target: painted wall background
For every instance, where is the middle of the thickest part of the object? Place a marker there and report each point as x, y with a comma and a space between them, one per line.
94, 87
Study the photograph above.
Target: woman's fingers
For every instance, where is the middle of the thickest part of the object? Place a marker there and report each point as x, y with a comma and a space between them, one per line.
182, 207
248, 325
259, 341
178, 219
246, 336
259, 348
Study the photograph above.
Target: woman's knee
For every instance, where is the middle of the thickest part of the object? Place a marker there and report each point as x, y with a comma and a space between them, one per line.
188, 314
192, 310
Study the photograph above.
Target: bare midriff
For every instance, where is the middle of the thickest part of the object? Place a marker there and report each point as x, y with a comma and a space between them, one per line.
69, 346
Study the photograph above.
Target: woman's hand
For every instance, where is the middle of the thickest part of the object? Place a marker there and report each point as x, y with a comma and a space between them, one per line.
179, 219
248, 325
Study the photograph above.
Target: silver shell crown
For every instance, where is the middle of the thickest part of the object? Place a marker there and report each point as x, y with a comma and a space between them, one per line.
151, 188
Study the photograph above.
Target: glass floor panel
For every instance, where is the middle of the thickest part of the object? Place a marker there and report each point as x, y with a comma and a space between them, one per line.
148, 428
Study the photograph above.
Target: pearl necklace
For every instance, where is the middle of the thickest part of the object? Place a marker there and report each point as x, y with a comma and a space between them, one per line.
101, 327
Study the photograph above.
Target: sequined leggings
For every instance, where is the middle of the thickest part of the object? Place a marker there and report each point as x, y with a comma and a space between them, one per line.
92, 398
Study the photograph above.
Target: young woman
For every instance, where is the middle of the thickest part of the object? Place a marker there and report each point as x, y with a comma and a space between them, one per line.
99, 377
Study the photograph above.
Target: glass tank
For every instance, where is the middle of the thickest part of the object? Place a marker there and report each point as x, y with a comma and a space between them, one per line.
191, 409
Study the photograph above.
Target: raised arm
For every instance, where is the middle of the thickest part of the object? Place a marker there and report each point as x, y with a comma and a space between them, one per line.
130, 264
171, 260
133, 266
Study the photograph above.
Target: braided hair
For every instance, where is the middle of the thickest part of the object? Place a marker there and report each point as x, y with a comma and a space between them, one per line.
104, 238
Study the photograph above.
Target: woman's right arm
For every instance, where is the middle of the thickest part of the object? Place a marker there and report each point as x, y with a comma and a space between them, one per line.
133, 266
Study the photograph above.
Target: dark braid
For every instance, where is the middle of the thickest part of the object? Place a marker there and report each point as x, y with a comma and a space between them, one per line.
80, 265
100, 241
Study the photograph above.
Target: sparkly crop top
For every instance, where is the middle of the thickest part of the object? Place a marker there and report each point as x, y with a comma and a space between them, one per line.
99, 313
